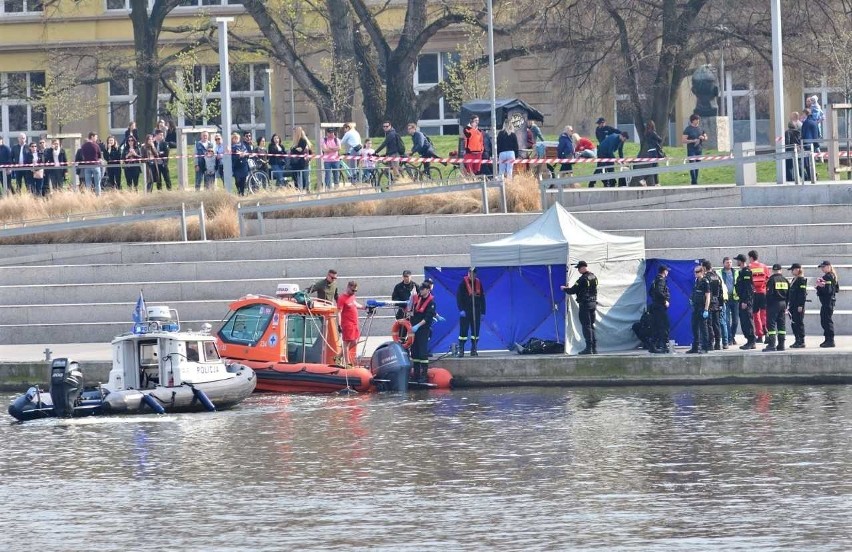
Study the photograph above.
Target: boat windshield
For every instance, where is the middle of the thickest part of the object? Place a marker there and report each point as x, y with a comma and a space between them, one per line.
247, 325
305, 338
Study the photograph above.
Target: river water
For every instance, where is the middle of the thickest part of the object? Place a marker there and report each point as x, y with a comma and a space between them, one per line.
656, 468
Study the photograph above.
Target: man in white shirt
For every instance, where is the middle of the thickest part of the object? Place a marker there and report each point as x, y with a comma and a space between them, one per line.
351, 145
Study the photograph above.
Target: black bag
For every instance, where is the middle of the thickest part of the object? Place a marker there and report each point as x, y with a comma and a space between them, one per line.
536, 346
643, 329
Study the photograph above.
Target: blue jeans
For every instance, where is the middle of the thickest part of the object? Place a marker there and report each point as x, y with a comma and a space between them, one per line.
92, 178
731, 311
302, 180
331, 168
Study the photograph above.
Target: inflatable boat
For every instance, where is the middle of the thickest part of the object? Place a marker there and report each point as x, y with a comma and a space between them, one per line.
292, 343
156, 368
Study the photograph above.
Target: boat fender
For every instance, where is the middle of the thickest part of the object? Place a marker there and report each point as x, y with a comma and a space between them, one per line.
409, 335
204, 399
154, 404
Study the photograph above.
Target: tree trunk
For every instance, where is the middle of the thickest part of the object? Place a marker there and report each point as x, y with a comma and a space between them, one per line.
146, 75
400, 97
372, 86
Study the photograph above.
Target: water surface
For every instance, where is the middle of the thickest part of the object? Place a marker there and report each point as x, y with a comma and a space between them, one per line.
722, 468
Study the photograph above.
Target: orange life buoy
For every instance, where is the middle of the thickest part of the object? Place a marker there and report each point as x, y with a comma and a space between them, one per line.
409, 335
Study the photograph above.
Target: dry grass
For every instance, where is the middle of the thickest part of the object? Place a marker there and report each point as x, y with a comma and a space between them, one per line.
522, 195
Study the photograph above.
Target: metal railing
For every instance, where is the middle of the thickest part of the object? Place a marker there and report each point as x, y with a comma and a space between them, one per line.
101, 219
259, 209
744, 163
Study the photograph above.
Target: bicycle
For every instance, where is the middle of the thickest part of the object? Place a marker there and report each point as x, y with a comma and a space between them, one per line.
257, 179
419, 173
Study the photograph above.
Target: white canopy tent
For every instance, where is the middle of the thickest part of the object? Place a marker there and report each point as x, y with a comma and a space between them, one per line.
557, 238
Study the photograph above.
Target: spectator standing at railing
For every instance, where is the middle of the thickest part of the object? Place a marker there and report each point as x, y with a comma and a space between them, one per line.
299, 163
277, 158
810, 137
210, 167
19, 152
5, 159
219, 148
112, 154
602, 131
565, 150
261, 151
351, 145
201, 147
694, 137
151, 154
91, 157
507, 149
612, 147
239, 162
163, 166
817, 115
131, 131
330, 148
132, 154
792, 142
654, 148
55, 158
368, 161
474, 145
36, 180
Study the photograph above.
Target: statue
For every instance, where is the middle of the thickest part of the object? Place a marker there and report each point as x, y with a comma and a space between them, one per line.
705, 86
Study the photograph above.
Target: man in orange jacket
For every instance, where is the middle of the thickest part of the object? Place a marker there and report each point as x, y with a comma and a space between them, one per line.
759, 274
474, 146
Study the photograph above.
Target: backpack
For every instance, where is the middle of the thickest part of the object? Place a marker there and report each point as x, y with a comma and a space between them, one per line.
536, 346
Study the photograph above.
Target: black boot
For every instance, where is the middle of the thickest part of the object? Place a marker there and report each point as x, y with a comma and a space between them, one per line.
460, 352
780, 346
473, 351
717, 344
827, 344
415, 375
770, 344
587, 350
424, 374
748, 345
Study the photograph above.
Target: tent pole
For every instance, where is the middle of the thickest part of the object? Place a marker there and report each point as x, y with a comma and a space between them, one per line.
553, 301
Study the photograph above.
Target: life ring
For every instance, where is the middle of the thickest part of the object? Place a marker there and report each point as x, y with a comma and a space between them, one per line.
409, 335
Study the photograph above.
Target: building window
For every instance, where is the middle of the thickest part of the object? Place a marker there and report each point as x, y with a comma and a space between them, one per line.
246, 99
18, 110
21, 6
125, 4
437, 118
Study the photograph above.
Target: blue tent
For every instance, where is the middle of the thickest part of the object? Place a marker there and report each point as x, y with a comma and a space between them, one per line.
521, 302
681, 280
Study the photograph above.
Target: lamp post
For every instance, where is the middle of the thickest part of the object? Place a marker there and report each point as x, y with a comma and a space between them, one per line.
778, 86
267, 103
493, 88
225, 85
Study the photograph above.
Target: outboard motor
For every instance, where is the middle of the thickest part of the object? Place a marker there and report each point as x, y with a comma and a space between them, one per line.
391, 367
66, 386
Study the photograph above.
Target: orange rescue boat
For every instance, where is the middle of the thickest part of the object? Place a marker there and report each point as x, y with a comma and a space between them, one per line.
292, 343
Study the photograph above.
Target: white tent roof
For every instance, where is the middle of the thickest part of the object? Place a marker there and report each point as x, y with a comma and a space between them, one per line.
556, 237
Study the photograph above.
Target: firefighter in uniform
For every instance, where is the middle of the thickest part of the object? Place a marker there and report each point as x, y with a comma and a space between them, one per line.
827, 287
423, 313
470, 300
717, 301
759, 275
796, 300
586, 290
777, 290
745, 291
659, 311
700, 301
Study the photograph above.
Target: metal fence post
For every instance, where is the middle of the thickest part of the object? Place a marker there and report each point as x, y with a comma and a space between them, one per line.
503, 202
260, 221
241, 220
183, 221
484, 196
202, 223
543, 191
797, 176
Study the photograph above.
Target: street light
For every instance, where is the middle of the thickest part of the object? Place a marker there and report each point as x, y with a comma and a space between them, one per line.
778, 86
493, 88
225, 85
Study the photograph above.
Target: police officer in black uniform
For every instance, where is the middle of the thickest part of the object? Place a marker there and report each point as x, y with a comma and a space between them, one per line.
659, 311
423, 312
700, 301
796, 300
777, 290
586, 290
470, 300
827, 288
745, 291
717, 301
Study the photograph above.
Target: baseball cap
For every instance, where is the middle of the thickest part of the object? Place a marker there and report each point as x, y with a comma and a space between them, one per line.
600, 120
824, 263
776, 266
741, 258
581, 264
794, 266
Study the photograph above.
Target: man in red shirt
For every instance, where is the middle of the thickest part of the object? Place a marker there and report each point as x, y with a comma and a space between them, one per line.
91, 152
759, 275
348, 307
474, 145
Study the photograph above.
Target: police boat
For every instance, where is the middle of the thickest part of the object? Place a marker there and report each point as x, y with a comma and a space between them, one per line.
156, 368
